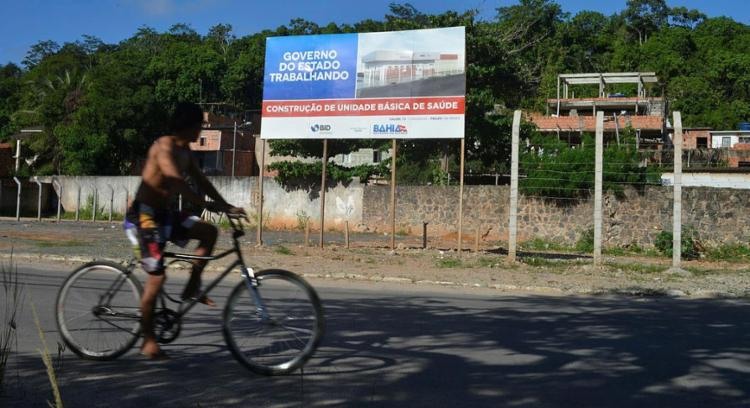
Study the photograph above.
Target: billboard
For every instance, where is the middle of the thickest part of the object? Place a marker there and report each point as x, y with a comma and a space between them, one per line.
387, 85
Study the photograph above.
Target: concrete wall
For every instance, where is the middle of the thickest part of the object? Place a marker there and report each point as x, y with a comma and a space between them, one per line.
283, 208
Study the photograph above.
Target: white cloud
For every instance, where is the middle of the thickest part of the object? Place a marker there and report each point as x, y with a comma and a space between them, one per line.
160, 8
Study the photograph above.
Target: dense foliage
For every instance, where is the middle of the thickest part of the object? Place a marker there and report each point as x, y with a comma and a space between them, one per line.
101, 104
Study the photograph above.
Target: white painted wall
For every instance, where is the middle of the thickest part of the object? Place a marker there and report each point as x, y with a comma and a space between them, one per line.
717, 180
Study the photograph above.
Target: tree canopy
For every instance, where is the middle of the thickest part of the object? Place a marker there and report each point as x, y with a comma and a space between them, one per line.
101, 104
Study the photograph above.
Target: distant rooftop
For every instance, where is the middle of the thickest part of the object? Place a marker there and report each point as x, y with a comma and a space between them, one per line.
608, 78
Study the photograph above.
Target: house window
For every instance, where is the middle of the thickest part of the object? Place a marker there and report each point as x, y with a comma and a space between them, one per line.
702, 143
726, 141
745, 139
376, 156
202, 141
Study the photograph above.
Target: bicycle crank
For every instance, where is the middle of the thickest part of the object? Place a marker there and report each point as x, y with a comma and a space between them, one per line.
167, 325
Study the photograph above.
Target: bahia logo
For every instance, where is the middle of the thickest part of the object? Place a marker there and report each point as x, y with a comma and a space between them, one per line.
389, 128
320, 128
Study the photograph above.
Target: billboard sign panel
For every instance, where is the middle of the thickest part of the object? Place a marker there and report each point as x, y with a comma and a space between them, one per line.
402, 84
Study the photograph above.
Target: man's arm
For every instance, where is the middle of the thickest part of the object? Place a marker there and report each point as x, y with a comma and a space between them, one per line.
203, 184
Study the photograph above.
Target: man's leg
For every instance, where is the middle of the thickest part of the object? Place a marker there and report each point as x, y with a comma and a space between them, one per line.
154, 283
206, 234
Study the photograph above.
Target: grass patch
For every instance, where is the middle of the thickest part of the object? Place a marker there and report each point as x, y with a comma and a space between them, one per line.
540, 244
47, 359
486, 262
729, 253
282, 250
638, 267
449, 263
12, 290
553, 263
65, 243
632, 250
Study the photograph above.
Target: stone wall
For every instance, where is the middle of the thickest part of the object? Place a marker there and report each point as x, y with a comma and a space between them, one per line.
718, 215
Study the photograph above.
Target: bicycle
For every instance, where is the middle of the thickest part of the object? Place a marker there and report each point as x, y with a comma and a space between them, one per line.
98, 312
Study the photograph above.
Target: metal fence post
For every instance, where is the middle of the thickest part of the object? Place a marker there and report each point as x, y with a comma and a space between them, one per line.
55, 181
39, 199
93, 207
78, 202
127, 201
111, 200
18, 199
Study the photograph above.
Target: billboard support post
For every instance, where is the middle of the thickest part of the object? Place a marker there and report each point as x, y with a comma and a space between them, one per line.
393, 195
323, 192
461, 196
259, 236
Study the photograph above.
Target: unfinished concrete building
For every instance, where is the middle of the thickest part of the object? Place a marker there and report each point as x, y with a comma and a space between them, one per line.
624, 98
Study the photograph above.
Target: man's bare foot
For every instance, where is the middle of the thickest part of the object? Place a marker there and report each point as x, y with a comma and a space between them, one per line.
151, 350
203, 299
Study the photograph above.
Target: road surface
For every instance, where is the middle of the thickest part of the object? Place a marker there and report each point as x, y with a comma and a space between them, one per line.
421, 346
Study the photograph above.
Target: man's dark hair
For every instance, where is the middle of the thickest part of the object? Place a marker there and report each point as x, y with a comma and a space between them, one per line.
184, 116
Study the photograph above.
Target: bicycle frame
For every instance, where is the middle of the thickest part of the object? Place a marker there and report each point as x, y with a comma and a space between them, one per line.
248, 274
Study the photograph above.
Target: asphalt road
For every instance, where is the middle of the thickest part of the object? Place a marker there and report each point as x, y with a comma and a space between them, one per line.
417, 346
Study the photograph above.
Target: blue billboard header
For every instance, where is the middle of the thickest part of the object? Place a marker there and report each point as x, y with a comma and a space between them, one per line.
311, 67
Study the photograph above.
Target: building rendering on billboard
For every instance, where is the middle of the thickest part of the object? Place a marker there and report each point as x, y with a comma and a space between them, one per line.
402, 84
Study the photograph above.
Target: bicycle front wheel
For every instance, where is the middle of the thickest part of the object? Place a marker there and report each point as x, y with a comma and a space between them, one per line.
279, 330
98, 311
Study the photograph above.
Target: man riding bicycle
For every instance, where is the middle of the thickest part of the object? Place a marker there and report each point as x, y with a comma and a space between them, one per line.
168, 163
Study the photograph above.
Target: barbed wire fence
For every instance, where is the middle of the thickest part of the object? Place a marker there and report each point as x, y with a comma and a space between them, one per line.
556, 185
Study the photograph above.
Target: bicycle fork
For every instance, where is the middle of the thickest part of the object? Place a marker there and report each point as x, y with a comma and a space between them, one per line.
248, 276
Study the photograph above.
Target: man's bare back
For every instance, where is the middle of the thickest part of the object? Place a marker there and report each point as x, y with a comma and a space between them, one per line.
157, 187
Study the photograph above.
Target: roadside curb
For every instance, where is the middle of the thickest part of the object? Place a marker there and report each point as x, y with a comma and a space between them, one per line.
545, 290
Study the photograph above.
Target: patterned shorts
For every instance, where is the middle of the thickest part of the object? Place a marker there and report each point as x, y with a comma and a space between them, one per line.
155, 227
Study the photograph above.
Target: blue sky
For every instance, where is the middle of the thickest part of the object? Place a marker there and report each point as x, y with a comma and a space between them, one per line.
26, 22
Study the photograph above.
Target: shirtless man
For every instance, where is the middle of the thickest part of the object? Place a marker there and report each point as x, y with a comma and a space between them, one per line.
168, 163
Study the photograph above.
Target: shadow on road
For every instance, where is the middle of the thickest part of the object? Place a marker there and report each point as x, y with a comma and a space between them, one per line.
420, 351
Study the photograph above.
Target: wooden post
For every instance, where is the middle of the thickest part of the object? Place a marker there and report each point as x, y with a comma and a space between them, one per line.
393, 194
424, 235
677, 210
513, 221
259, 232
323, 192
598, 173
346, 234
307, 233
461, 196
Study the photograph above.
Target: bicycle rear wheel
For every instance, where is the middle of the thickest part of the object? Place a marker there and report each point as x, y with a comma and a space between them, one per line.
97, 311
284, 337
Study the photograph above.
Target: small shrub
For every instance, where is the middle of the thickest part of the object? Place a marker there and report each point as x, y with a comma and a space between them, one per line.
302, 220
585, 242
688, 247
281, 249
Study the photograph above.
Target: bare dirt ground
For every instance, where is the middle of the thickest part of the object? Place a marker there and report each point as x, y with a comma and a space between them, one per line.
370, 259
